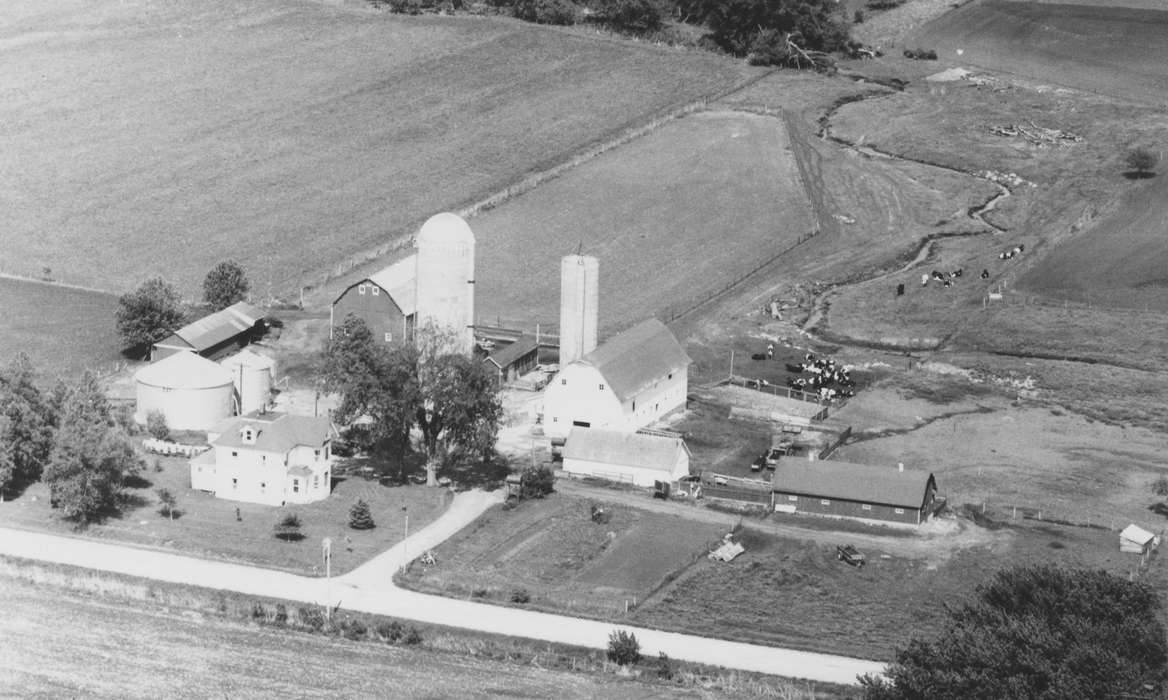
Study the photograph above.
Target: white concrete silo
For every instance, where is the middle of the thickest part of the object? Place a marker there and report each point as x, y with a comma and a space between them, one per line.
253, 376
192, 392
579, 306
445, 279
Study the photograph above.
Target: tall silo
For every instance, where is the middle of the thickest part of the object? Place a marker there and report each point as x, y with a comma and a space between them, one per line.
579, 306
253, 375
445, 279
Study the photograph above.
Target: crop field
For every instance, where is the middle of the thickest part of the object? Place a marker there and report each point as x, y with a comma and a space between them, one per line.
567, 563
1100, 47
153, 138
672, 217
63, 331
208, 526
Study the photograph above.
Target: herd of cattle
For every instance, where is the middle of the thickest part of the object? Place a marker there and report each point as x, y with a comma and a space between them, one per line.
948, 279
822, 377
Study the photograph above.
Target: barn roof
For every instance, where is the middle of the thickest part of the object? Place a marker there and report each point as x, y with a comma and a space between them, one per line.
275, 432
522, 346
399, 282
633, 360
624, 449
215, 328
184, 370
852, 482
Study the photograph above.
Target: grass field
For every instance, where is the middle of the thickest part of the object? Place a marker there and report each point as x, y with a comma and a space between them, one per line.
565, 562
148, 138
672, 216
63, 331
208, 527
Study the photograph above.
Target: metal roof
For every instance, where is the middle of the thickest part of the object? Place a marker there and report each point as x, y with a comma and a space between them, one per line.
624, 449
852, 482
631, 361
522, 346
276, 432
184, 370
1137, 534
399, 281
215, 328
247, 358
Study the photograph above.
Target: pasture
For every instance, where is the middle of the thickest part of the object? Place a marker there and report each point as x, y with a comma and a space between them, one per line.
298, 138
551, 549
62, 330
672, 216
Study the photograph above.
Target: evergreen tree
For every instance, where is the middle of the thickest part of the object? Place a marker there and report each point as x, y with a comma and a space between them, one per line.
359, 516
26, 434
90, 458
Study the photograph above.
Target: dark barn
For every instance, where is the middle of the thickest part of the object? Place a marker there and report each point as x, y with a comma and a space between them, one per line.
515, 360
385, 301
861, 491
216, 335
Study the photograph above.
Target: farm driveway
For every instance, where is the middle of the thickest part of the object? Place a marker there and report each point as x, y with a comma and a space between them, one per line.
370, 589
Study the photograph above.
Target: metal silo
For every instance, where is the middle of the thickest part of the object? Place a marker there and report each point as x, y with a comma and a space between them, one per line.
253, 376
193, 392
579, 306
445, 279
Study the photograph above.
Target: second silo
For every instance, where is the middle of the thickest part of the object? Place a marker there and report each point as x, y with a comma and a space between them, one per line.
253, 376
445, 279
579, 306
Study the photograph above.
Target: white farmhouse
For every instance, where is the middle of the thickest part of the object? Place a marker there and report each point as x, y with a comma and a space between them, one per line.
632, 380
267, 458
629, 457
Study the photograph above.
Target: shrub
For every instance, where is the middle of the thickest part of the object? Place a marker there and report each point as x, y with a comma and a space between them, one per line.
413, 636
560, 12
359, 516
858, 18
537, 482
921, 54
1141, 160
390, 632
631, 15
156, 425
287, 528
665, 668
311, 618
258, 613
354, 630
479, 593
281, 614
1160, 486
623, 648
520, 595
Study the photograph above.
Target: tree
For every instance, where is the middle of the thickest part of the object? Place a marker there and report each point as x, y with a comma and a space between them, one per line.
288, 528
149, 313
623, 648
536, 482
359, 516
90, 458
27, 428
736, 24
562, 12
631, 15
1038, 632
224, 285
156, 425
1142, 161
167, 503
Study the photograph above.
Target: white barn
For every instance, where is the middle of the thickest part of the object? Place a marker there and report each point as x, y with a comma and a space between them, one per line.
625, 384
633, 458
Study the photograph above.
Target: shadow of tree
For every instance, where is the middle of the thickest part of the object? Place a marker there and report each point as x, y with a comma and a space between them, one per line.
1139, 174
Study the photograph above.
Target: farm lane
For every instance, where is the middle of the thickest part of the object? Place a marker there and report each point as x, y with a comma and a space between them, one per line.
370, 589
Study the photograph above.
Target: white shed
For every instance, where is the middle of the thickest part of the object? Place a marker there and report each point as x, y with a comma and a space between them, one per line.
193, 392
253, 375
1137, 540
616, 455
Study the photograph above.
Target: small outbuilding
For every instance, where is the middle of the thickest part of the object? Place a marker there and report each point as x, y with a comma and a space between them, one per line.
858, 491
513, 361
190, 391
633, 458
1137, 540
216, 335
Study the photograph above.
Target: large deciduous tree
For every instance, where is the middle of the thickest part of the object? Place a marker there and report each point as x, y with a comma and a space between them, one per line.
739, 25
26, 424
224, 285
91, 456
1038, 632
149, 313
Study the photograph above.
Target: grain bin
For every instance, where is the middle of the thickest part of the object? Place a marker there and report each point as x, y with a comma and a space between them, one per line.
192, 392
253, 376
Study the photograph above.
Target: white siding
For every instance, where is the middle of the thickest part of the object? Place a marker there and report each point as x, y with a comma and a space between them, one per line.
628, 473
576, 394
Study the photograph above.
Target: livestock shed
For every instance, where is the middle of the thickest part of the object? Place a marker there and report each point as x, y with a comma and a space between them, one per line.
254, 376
634, 458
858, 491
515, 360
216, 335
192, 392
627, 383
386, 301
1137, 540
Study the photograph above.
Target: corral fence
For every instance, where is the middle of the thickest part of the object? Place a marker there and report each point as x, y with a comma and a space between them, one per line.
789, 392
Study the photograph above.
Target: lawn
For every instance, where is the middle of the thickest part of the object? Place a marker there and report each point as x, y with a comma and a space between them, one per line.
551, 550
63, 331
295, 137
672, 216
208, 526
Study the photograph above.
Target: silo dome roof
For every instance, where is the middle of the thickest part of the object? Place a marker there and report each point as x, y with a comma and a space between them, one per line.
248, 359
184, 370
445, 229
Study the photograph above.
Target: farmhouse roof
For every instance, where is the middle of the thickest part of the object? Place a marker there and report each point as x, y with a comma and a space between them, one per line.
1137, 534
184, 370
399, 282
522, 346
215, 328
853, 482
624, 449
633, 360
275, 432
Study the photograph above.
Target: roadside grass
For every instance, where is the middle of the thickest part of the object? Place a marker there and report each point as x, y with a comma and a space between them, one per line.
791, 593
146, 609
568, 564
63, 331
207, 526
306, 138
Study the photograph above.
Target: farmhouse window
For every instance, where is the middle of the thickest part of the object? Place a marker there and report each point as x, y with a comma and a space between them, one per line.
792, 498
389, 337
326, 451
555, 419
263, 485
234, 483
563, 382
670, 376
824, 502
602, 387
316, 481
296, 486
376, 290
264, 459
900, 511
316, 454
865, 506
361, 289
234, 453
